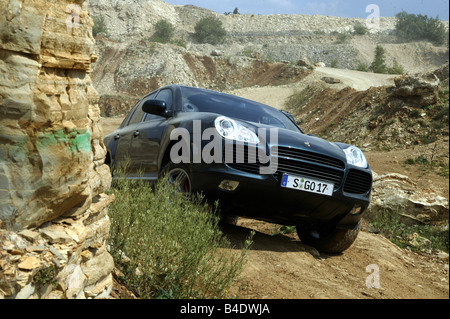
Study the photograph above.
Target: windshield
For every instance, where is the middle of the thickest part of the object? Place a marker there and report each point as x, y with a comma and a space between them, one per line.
200, 100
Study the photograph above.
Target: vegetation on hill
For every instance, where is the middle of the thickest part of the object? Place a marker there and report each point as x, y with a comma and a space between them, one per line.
164, 31
210, 30
99, 26
413, 27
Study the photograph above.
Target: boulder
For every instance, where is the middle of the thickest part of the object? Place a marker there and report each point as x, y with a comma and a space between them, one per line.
305, 63
419, 89
331, 80
396, 193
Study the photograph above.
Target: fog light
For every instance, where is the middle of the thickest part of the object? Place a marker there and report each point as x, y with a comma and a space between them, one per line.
228, 185
357, 209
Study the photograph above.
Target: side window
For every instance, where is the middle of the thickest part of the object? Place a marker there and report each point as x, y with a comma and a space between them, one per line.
137, 116
149, 117
166, 95
130, 114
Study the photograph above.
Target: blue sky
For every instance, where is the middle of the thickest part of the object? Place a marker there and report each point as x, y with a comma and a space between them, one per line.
340, 8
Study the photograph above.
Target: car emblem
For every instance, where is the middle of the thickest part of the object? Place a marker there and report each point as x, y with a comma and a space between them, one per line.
307, 144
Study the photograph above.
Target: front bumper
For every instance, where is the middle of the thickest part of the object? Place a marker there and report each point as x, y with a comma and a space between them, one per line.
262, 197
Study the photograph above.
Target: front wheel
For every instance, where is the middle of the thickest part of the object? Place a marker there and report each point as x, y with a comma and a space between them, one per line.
327, 238
178, 176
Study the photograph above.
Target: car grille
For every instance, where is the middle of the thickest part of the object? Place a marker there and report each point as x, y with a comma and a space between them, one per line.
358, 182
296, 162
242, 162
312, 165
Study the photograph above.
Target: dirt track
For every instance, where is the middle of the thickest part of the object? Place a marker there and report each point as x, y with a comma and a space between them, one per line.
281, 267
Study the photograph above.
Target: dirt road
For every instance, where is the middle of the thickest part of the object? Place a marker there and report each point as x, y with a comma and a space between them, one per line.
281, 267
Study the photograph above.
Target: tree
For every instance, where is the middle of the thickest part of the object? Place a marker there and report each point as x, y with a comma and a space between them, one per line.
379, 63
210, 30
236, 11
412, 27
163, 31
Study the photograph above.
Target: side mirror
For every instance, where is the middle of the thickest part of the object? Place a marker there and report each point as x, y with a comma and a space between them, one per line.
156, 107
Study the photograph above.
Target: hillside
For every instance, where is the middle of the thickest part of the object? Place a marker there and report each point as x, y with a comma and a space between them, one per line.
130, 64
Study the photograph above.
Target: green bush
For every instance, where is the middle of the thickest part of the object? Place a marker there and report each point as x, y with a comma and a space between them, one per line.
210, 30
168, 245
164, 31
396, 68
360, 29
362, 67
412, 27
343, 38
99, 26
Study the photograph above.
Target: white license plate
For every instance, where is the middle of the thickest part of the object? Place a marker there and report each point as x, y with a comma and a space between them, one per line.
307, 185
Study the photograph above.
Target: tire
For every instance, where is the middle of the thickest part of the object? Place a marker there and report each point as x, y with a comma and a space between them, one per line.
179, 176
327, 238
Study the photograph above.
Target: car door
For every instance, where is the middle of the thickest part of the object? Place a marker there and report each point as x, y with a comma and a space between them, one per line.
145, 146
124, 136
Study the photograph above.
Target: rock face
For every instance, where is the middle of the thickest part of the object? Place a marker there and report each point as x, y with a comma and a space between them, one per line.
53, 215
397, 193
420, 89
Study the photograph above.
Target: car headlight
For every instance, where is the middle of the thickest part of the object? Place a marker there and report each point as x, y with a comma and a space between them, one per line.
232, 130
355, 157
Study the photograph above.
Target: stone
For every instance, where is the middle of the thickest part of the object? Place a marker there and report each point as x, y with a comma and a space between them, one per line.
26, 292
29, 263
419, 89
30, 235
75, 283
56, 234
398, 193
305, 63
331, 80
216, 52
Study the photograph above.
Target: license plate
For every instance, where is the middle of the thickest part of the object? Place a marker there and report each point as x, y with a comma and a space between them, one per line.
307, 185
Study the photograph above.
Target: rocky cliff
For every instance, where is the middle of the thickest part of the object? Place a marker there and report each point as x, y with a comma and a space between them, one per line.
53, 213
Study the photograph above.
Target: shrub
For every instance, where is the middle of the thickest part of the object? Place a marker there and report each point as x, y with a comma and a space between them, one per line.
168, 245
360, 29
344, 38
334, 64
362, 67
396, 69
99, 26
412, 27
210, 30
163, 31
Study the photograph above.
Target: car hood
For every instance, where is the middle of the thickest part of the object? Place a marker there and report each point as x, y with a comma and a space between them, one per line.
298, 140
286, 138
